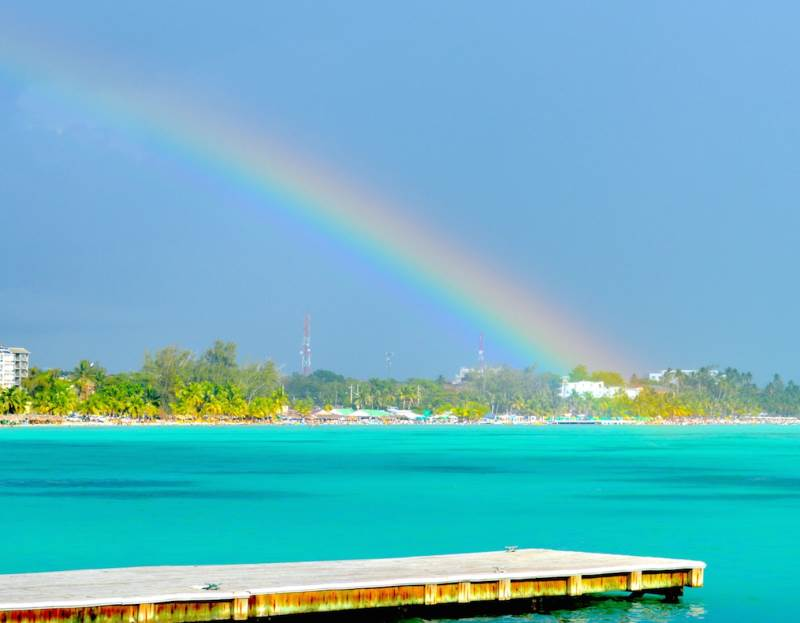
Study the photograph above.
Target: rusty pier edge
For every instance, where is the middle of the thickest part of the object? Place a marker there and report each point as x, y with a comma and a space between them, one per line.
46, 597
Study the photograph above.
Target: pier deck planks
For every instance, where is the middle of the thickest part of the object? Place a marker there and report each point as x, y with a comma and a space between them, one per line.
175, 594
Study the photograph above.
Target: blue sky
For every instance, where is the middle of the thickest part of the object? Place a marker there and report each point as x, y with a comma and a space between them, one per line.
636, 160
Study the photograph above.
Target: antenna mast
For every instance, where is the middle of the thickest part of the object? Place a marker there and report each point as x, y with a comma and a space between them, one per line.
305, 352
482, 364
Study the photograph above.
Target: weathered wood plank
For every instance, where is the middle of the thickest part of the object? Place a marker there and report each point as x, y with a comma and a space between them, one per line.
504, 589
431, 595
574, 585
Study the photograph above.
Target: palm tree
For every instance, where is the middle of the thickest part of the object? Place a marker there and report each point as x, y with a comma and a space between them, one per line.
17, 399
56, 398
407, 394
86, 376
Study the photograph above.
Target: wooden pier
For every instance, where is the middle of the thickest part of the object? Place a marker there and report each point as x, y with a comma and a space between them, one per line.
241, 592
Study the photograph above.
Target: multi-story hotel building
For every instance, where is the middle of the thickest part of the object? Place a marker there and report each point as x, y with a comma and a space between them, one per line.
14, 365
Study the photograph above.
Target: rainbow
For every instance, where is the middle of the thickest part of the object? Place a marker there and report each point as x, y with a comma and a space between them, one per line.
527, 322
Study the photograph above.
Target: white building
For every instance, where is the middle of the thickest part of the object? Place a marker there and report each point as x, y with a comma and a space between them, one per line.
657, 377
14, 366
595, 389
461, 375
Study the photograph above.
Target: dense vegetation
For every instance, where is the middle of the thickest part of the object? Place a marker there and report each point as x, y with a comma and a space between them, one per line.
706, 393
173, 381
176, 383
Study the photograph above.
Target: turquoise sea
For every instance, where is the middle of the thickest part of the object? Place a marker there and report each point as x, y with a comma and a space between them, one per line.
104, 497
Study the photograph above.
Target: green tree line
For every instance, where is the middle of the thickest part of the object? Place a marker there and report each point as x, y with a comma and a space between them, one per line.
173, 382
177, 383
704, 393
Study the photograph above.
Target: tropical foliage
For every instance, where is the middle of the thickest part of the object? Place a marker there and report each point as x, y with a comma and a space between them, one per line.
176, 383
703, 393
172, 382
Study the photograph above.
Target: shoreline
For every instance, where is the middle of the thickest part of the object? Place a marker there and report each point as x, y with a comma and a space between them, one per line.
112, 422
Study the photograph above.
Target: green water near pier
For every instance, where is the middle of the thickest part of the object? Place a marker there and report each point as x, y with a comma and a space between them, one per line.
105, 497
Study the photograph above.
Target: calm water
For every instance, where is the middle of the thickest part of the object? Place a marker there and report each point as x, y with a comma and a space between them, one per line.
80, 498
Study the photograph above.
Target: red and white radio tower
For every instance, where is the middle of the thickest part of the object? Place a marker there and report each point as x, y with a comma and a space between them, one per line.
305, 352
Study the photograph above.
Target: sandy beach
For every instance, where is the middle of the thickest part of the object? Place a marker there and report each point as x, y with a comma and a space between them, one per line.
33, 420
